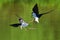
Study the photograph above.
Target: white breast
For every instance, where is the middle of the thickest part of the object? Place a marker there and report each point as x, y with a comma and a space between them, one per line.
37, 19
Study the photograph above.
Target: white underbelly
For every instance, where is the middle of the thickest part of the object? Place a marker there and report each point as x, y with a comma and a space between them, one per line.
24, 24
37, 19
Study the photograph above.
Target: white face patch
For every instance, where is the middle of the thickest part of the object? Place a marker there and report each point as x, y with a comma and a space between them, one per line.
37, 19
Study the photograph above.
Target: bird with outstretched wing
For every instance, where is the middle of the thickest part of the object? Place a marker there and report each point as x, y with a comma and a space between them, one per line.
36, 11
36, 14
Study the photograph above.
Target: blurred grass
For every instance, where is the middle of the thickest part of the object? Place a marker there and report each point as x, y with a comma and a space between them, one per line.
48, 28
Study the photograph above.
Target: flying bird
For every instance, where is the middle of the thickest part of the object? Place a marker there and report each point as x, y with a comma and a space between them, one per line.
21, 23
36, 14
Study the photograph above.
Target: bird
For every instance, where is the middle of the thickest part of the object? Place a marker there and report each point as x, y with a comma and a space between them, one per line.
36, 15
21, 24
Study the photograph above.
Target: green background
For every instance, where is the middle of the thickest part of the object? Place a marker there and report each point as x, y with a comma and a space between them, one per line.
48, 28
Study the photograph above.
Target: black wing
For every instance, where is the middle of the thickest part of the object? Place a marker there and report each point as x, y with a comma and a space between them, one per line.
35, 9
45, 13
48, 11
15, 25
